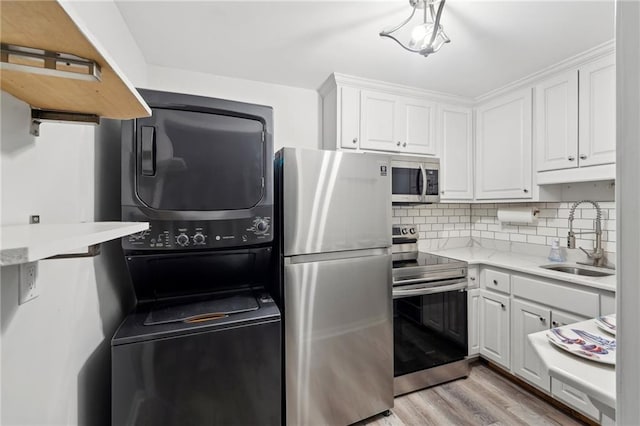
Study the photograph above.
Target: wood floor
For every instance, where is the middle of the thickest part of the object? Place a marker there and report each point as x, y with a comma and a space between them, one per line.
484, 398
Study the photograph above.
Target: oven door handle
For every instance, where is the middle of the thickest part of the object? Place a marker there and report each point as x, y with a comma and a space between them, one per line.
398, 293
424, 181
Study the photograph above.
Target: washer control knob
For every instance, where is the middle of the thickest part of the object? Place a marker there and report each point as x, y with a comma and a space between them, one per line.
262, 226
182, 239
412, 230
198, 238
404, 231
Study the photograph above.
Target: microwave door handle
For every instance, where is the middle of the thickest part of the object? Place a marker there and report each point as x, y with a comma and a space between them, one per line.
424, 181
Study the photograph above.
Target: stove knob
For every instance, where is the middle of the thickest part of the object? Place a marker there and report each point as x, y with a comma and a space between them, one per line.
182, 240
262, 226
404, 231
198, 238
412, 230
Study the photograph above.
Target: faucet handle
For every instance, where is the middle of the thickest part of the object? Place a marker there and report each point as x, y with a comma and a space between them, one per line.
589, 255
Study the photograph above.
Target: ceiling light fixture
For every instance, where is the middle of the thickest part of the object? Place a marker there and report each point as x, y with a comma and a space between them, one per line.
427, 37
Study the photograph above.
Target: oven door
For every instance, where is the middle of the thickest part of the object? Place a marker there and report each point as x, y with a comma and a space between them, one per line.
430, 334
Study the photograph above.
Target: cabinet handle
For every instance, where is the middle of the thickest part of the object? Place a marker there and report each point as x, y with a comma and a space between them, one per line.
355, 140
502, 305
495, 282
442, 192
526, 191
404, 144
554, 323
472, 278
583, 157
398, 144
572, 158
542, 319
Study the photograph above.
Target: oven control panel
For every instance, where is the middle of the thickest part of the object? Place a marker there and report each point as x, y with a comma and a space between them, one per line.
403, 234
185, 235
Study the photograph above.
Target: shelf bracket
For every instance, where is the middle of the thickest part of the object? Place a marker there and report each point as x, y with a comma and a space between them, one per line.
92, 251
43, 115
47, 62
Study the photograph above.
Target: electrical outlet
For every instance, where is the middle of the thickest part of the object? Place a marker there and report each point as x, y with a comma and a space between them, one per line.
28, 282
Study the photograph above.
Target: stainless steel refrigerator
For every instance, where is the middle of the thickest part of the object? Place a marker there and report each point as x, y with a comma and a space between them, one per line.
335, 242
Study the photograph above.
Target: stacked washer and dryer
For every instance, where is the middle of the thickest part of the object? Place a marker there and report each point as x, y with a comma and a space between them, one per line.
203, 345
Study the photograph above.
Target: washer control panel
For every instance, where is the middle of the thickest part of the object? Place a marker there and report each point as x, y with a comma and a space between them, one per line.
172, 235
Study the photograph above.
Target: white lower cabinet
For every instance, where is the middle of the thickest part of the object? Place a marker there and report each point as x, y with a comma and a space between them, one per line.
510, 306
529, 318
473, 321
574, 398
494, 327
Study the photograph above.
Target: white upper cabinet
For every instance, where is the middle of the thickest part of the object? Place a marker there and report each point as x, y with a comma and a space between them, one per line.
341, 118
380, 124
350, 117
417, 126
455, 135
396, 123
576, 124
557, 122
363, 114
597, 132
503, 147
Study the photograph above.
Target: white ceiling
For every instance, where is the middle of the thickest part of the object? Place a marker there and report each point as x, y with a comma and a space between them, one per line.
299, 43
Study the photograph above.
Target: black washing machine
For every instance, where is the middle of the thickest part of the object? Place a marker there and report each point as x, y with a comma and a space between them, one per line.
203, 345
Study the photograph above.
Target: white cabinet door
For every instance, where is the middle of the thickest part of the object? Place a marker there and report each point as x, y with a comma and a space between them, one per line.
396, 123
473, 321
494, 327
417, 127
557, 122
379, 125
574, 398
598, 112
528, 318
456, 152
503, 147
349, 116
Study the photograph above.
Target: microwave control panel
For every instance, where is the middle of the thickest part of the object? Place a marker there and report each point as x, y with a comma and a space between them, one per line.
432, 182
185, 235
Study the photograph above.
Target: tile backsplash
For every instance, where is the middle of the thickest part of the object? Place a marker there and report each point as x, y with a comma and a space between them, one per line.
436, 221
443, 221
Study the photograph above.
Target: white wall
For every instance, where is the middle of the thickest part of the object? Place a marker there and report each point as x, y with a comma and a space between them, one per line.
628, 177
296, 111
55, 349
104, 21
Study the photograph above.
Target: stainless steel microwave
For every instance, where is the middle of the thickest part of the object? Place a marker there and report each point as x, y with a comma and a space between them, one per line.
415, 179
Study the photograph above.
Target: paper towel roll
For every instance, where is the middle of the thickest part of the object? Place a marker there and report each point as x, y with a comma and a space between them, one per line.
518, 215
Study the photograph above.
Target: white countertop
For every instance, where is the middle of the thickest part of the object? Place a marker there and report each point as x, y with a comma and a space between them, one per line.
28, 243
525, 263
595, 379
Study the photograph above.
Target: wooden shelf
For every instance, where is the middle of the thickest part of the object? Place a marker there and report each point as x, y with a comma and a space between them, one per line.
46, 25
28, 243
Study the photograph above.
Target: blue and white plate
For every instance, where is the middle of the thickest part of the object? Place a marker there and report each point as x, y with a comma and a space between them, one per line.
584, 344
607, 323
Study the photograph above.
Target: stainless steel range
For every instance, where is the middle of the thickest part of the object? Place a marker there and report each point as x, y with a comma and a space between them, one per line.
429, 315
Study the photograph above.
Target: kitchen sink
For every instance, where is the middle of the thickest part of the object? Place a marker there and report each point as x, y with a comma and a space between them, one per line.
577, 270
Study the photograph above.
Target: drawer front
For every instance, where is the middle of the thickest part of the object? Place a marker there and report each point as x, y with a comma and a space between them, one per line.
574, 398
496, 280
570, 299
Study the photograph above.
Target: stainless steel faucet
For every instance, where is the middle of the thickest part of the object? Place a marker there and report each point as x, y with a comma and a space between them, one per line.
597, 256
